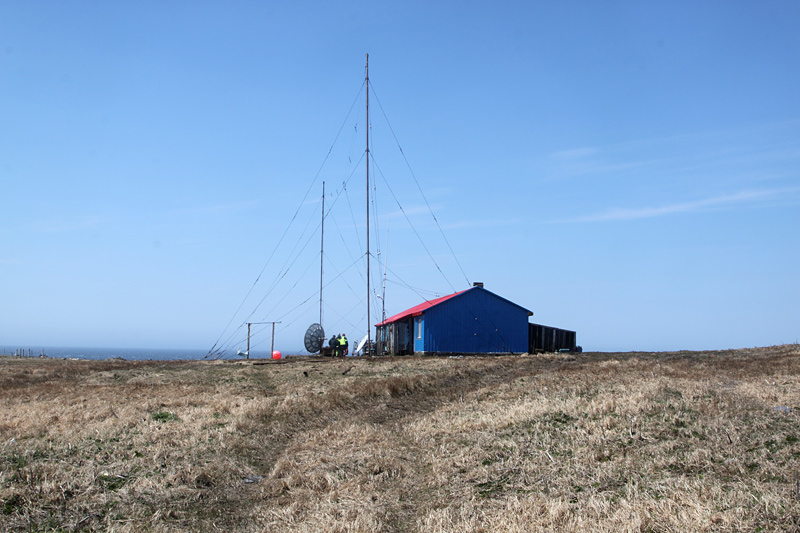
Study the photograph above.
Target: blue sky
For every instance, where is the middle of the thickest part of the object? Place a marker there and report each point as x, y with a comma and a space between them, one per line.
628, 170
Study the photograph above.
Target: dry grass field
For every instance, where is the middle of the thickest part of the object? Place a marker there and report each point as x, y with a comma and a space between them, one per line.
684, 441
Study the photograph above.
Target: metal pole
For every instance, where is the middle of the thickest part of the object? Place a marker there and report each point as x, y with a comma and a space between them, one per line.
367, 128
321, 248
272, 343
385, 261
248, 340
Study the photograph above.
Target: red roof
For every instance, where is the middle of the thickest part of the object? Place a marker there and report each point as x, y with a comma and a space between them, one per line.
418, 309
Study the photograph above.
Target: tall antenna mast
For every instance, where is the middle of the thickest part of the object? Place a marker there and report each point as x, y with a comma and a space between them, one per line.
383, 287
321, 248
367, 128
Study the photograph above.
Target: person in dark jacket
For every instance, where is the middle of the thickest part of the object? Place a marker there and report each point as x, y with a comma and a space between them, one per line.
333, 343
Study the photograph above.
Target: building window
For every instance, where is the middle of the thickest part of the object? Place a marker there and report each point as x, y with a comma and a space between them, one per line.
419, 327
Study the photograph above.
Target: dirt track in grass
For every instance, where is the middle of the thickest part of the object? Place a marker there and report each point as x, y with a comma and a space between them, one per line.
686, 441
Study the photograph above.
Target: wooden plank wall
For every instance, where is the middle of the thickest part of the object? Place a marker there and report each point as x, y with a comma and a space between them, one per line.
548, 339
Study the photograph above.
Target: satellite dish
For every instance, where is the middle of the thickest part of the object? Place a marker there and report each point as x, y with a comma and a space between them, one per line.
362, 343
314, 338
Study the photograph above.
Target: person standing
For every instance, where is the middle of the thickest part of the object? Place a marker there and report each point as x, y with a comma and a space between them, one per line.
342, 345
337, 348
333, 343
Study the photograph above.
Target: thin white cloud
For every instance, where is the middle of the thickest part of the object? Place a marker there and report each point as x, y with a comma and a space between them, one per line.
424, 214
576, 153
483, 223
685, 152
68, 224
743, 135
413, 211
222, 208
588, 166
717, 202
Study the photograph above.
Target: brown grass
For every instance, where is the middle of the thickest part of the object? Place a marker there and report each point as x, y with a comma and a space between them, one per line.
603, 442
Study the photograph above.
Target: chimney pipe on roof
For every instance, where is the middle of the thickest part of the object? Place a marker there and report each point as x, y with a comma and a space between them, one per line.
477, 284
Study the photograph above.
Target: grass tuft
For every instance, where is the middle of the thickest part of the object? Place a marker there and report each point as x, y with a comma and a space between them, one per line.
164, 416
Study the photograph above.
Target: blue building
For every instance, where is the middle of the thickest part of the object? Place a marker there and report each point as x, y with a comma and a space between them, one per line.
471, 321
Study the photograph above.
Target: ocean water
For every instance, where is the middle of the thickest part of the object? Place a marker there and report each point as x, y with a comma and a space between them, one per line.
131, 354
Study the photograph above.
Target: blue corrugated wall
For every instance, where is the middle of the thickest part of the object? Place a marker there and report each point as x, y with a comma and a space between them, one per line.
476, 321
